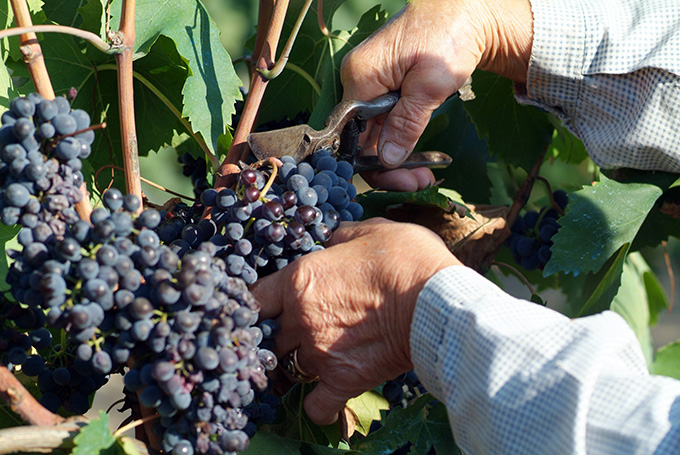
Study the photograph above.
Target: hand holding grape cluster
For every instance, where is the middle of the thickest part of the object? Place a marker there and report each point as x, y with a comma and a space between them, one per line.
160, 297
348, 309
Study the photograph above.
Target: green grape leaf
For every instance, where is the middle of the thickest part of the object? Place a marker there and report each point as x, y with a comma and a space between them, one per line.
654, 292
631, 302
659, 226
376, 203
606, 284
293, 422
94, 17
667, 360
331, 88
517, 134
451, 131
422, 423
264, 443
126, 446
599, 219
656, 228
366, 407
593, 292
212, 86
7, 242
95, 438
565, 146
311, 80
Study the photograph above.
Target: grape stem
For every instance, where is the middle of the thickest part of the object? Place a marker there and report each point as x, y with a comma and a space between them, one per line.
275, 170
119, 432
99, 126
65, 30
524, 192
145, 180
275, 71
22, 402
270, 24
517, 273
552, 197
671, 276
320, 19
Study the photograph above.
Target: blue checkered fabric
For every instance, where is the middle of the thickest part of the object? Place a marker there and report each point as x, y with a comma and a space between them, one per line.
610, 70
518, 378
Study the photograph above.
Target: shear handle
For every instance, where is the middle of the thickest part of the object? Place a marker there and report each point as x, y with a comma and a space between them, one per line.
347, 110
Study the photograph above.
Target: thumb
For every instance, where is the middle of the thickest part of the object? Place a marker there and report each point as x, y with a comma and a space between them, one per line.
406, 122
267, 291
323, 404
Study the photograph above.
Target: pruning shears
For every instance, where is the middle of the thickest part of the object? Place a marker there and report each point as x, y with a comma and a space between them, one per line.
341, 136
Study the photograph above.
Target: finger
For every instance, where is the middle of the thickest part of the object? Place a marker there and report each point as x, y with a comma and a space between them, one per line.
267, 292
350, 230
404, 180
422, 91
425, 177
323, 404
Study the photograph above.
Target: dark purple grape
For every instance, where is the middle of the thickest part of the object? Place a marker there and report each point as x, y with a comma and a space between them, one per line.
248, 177
251, 194
305, 215
64, 124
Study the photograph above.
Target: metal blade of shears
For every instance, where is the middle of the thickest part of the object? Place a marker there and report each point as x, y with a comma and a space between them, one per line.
302, 140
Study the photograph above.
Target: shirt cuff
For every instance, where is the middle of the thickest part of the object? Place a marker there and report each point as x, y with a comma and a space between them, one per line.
555, 69
446, 301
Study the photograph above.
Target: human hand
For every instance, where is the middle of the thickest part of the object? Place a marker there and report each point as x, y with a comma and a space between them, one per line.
348, 309
428, 51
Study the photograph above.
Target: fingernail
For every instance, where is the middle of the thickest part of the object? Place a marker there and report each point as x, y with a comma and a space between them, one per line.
392, 154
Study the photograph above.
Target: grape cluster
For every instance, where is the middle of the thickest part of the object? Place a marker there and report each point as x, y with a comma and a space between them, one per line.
531, 236
196, 169
264, 226
42, 142
402, 389
161, 296
206, 362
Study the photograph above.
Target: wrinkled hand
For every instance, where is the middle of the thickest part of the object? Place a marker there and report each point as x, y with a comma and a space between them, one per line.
427, 52
348, 308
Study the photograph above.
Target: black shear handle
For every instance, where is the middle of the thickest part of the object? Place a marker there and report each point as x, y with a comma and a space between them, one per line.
347, 110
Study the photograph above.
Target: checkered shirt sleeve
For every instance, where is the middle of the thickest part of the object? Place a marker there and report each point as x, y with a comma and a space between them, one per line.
519, 378
610, 70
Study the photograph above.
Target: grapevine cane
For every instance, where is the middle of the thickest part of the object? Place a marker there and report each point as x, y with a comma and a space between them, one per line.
280, 64
524, 192
128, 130
22, 402
320, 19
33, 57
258, 84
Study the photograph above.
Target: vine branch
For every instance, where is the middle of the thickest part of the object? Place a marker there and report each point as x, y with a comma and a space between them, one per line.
517, 273
320, 19
128, 130
671, 276
95, 40
524, 192
22, 402
551, 195
273, 27
144, 180
280, 64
